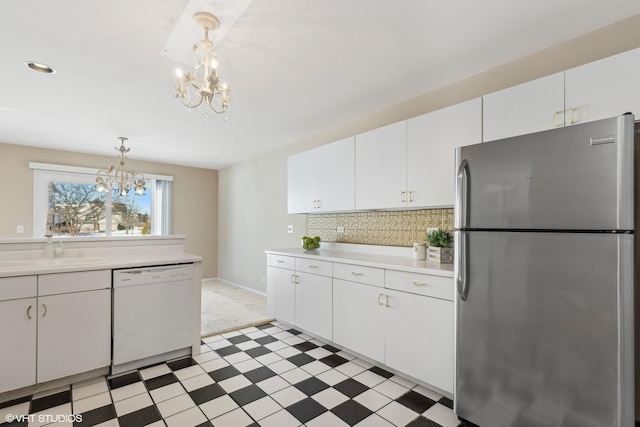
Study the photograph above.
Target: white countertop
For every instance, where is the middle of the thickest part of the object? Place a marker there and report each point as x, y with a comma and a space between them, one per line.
390, 262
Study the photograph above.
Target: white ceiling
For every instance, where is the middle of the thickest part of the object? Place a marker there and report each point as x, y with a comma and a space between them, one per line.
296, 67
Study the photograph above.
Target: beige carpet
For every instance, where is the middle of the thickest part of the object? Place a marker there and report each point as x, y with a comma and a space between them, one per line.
227, 308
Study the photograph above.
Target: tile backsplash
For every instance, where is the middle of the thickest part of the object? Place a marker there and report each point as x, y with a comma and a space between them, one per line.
397, 228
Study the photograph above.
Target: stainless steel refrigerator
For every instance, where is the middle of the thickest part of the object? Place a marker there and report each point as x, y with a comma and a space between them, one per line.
544, 270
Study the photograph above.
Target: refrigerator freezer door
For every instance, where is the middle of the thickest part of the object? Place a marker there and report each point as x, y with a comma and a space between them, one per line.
545, 335
574, 178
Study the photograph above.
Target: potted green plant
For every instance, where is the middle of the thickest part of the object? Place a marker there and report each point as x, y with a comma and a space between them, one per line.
440, 249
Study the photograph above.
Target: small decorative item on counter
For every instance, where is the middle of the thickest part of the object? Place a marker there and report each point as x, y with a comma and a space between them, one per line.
440, 249
310, 243
419, 250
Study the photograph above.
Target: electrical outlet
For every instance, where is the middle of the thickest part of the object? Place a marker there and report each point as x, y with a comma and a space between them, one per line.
290, 229
20, 229
339, 229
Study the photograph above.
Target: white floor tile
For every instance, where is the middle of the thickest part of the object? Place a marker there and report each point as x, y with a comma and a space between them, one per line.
330, 397
269, 358
332, 377
280, 419
216, 345
248, 330
319, 353
391, 389
273, 384
370, 379
200, 381
272, 330
372, 400
428, 393
110, 423
231, 334
326, 419
205, 349
89, 388
293, 340
403, 381
214, 365
132, 404
235, 418
155, 371
288, 396
262, 408
237, 357
294, 376
282, 335
189, 418
257, 334
19, 409
350, 369
247, 365
442, 415
212, 338
346, 355
174, 405
363, 363
374, 420
48, 416
205, 357
189, 372
282, 366
50, 392
276, 345
288, 352
167, 392
91, 402
247, 345
128, 391
315, 368
234, 383
397, 414
216, 407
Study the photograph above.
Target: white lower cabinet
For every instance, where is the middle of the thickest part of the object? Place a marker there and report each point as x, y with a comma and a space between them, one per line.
281, 296
18, 349
313, 304
419, 337
358, 322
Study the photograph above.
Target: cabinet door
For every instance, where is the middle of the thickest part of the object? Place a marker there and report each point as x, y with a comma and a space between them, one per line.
335, 182
381, 163
358, 318
431, 141
605, 88
530, 107
74, 333
301, 182
419, 338
313, 304
18, 337
281, 297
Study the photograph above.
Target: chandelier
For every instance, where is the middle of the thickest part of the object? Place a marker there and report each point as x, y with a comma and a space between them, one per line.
120, 180
203, 87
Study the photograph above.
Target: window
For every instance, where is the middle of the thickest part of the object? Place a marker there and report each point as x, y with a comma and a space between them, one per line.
68, 196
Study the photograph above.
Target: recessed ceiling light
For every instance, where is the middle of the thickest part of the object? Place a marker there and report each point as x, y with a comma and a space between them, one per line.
41, 68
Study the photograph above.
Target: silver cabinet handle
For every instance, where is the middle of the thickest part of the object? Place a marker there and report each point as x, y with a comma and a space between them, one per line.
403, 196
313, 266
410, 196
380, 296
555, 116
356, 273
29, 312
573, 116
293, 278
418, 283
386, 300
280, 261
44, 306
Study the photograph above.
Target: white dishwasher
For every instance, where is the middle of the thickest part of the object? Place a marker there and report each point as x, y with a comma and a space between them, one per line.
153, 315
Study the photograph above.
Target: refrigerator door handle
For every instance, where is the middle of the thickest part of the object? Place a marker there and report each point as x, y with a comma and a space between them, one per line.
462, 253
462, 196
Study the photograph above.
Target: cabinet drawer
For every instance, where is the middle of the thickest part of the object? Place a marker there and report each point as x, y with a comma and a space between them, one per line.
281, 261
307, 265
61, 283
423, 284
18, 287
360, 274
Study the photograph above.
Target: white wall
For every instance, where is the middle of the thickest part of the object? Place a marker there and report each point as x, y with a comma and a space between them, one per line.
253, 195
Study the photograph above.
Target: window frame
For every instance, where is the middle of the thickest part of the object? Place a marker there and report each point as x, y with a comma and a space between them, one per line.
44, 173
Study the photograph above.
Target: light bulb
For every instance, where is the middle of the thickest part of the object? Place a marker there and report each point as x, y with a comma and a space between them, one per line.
214, 63
179, 73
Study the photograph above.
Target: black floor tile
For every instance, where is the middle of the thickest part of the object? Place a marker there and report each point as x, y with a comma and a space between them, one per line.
257, 351
330, 348
140, 418
301, 359
176, 365
247, 394
124, 380
226, 351
15, 402
334, 360
206, 393
381, 372
265, 340
351, 387
161, 381
238, 339
305, 346
224, 373
311, 386
416, 401
259, 374
294, 331
306, 410
205, 424
423, 422
351, 412
265, 326
16, 423
97, 416
50, 401
448, 402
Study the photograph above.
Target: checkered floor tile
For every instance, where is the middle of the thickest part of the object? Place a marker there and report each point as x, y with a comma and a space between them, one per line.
269, 375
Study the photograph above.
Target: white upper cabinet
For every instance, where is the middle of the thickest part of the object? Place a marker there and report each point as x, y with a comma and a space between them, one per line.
529, 107
431, 142
605, 88
322, 179
381, 162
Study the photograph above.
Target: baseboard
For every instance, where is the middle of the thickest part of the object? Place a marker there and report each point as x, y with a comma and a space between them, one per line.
246, 288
